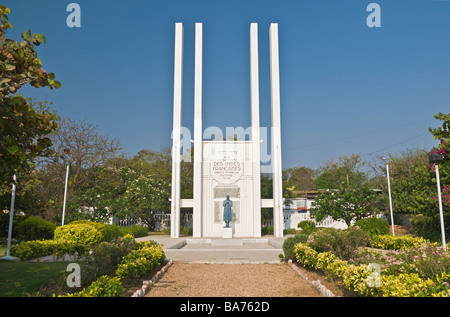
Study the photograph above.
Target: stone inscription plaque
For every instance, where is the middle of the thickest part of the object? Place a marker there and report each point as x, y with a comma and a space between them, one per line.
226, 172
222, 192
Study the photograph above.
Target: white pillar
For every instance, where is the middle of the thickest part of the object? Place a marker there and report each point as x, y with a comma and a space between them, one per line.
256, 144
276, 132
198, 132
176, 133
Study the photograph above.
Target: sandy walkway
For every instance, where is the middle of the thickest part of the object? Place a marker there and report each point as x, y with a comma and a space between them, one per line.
231, 280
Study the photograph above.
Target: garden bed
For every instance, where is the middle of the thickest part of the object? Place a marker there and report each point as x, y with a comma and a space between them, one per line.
134, 285
418, 271
334, 288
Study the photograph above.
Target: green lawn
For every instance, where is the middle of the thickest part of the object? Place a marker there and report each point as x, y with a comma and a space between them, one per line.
19, 279
2, 249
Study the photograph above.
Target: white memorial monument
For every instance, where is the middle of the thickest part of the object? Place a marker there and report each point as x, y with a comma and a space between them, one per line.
227, 168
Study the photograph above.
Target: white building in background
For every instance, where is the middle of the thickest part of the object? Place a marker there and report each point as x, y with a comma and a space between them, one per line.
299, 210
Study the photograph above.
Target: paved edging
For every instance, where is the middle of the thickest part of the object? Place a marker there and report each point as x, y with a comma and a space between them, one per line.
146, 285
319, 286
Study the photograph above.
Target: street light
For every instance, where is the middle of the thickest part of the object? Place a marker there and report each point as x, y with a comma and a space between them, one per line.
8, 256
390, 197
434, 158
65, 195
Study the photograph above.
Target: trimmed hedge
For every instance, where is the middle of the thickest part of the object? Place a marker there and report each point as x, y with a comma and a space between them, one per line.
34, 228
80, 232
112, 232
307, 226
388, 242
429, 227
373, 226
289, 244
34, 249
141, 260
135, 231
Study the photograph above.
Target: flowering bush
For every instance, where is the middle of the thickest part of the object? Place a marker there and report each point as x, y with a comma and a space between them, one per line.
445, 195
428, 260
443, 135
360, 278
343, 243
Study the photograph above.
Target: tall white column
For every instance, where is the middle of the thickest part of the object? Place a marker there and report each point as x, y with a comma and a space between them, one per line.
278, 223
198, 132
256, 144
176, 133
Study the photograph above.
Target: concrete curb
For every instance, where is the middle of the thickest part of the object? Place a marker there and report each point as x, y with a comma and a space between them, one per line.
146, 285
319, 286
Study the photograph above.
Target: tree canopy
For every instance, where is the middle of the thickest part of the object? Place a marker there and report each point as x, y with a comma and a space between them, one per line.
24, 130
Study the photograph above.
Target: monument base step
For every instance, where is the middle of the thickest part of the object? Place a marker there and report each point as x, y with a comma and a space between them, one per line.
226, 241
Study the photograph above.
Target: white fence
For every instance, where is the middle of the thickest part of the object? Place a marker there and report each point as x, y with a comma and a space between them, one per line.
162, 221
293, 218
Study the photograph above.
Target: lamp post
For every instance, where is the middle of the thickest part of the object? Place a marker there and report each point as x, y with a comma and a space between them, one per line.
390, 196
11, 217
434, 158
65, 195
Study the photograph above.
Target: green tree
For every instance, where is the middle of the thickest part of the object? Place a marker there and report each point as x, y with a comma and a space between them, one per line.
301, 178
347, 203
442, 134
144, 197
344, 169
94, 168
411, 182
24, 130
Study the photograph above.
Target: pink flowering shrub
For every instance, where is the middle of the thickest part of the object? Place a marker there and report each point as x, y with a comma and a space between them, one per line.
427, 260
445, 195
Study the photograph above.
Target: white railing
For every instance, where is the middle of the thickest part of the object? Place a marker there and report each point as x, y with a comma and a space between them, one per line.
162, 221
292, 219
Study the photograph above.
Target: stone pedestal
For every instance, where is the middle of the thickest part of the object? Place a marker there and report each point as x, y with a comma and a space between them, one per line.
227, 233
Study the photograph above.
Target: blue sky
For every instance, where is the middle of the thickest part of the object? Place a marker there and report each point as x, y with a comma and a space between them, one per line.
345, 88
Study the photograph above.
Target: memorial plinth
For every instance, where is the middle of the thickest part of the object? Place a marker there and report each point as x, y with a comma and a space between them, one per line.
227, 233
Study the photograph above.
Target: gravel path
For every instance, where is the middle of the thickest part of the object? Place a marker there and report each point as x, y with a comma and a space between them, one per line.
231, 280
